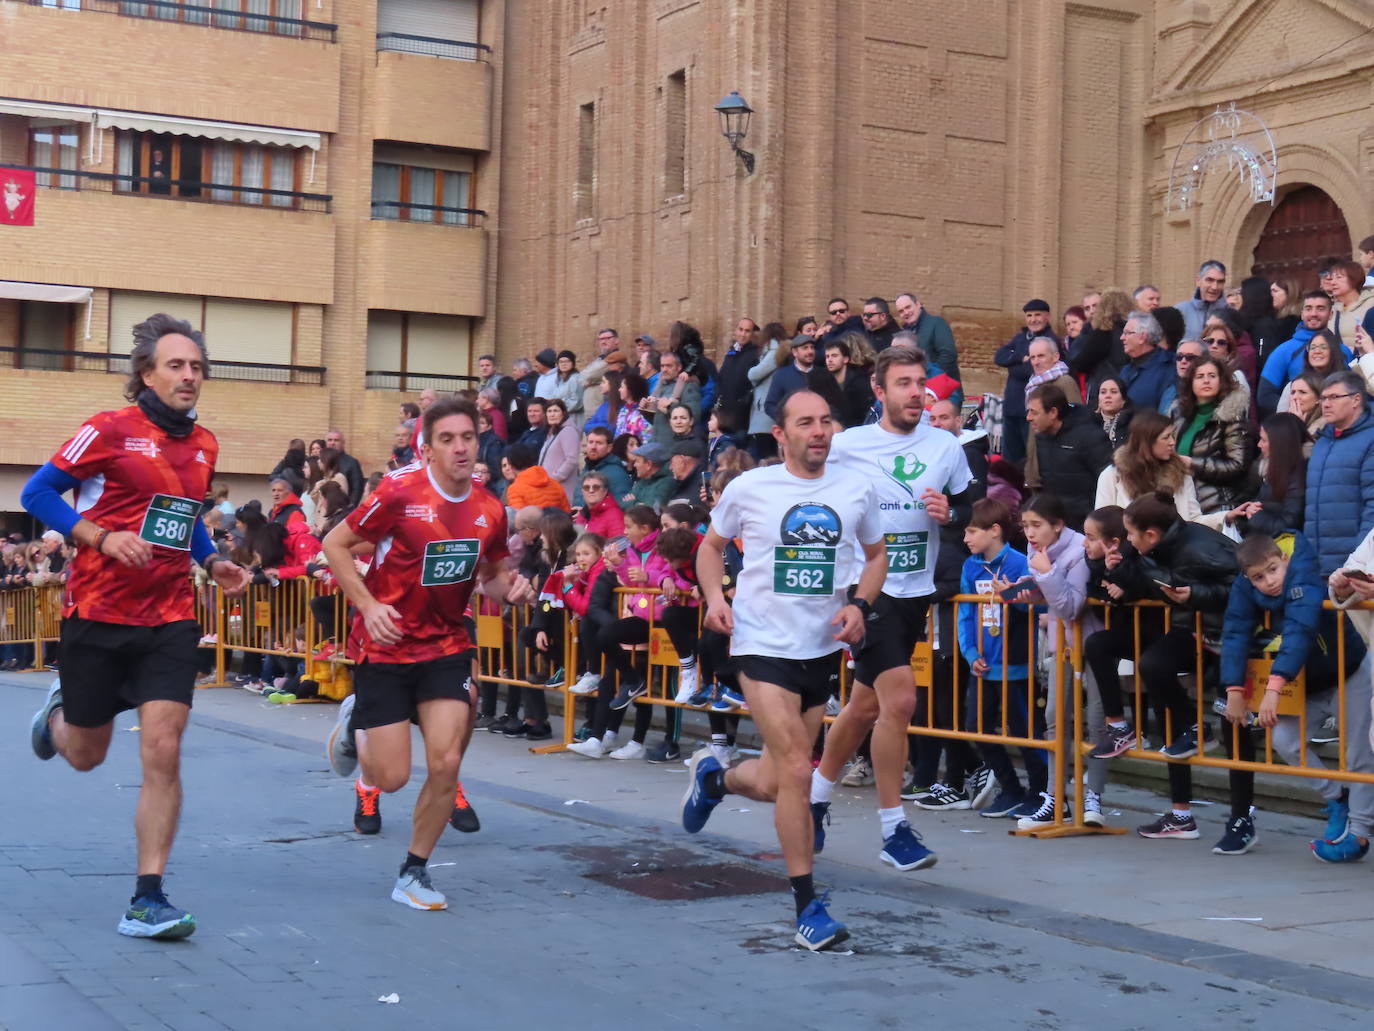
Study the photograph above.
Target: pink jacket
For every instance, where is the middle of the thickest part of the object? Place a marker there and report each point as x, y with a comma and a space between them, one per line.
655, 567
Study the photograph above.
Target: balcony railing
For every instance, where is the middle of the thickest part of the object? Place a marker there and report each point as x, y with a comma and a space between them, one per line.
428, 45
376, 380
101, 361
431, 214
234, 19
181, 189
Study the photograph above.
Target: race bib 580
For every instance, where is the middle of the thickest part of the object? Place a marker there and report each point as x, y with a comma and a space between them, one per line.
169, 521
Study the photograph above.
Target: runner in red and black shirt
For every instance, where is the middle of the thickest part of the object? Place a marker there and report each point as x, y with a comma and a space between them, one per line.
129, 635
437, 535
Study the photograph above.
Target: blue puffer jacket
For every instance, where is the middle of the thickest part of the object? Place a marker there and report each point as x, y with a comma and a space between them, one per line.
1340, 491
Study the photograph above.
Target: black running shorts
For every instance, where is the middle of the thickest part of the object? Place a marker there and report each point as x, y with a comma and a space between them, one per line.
814, 679
110, 667
889, 636
391, 692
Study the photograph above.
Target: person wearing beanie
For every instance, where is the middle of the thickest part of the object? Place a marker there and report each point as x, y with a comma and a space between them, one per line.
546, 365
567, 388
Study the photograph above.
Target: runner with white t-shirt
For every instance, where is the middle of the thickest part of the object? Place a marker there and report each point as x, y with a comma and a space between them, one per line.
919, 473
790, 615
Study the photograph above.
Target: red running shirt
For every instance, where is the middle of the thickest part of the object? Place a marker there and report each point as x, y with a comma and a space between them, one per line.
136, 477
425, 567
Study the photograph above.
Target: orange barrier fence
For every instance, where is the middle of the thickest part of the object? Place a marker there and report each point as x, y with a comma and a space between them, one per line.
31, 616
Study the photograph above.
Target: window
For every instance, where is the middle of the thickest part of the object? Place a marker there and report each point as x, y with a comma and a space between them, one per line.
415, 344
44, 326
236, 330
55, 146
584, 193
675, 141
410, 193
180, 166
429, 27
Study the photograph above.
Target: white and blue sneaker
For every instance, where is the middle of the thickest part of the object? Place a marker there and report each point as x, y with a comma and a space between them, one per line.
1337, 821
820, 816
40, 734
152, 916
734, 699
904, 850
696, 804
816, 929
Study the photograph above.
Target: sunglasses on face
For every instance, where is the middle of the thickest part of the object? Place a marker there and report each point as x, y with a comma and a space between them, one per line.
838, 311
1187, 358
1220, 341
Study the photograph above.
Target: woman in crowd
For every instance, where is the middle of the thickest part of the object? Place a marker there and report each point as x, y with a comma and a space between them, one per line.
1098, 352
1226, 343
1114, 410
1148, 462
1257, 317
634, 388
1351, 300
331, 505
490, 449
683, 424
601, 514
1281, 502
489, 401
568, 388
1325, 354
1287, 295
608, 411
562, 447
761, 443
1304, 401
1211, 419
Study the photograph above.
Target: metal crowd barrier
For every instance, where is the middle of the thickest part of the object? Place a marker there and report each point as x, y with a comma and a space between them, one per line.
31, 617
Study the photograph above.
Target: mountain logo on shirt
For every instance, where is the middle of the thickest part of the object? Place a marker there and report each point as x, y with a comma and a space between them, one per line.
906, 470
811, 523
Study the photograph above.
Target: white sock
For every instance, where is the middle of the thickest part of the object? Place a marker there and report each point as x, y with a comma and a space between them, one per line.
365, 787
891, 818
1183, 814
821, 789
1117, 724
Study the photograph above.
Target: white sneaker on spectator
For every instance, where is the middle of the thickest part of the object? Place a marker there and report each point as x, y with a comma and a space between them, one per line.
686, 684
587, 683
860, 774
832, 706
722, 754
592, 748
631, 749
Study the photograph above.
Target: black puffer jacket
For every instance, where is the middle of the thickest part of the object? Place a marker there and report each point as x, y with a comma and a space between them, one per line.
1070, 462
1222, 453
1188, 555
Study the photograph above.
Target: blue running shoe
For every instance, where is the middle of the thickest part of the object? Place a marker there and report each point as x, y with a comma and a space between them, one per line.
1008, 800
734, 700
696, 806
1337, 821
40, 734
816, 929
1347, 850
152, 916
820, 816
904, 850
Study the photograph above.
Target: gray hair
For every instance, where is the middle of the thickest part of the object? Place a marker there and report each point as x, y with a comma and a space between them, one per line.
600, 478
1054, 348
905, 338
143, 355
1348, 378
1211, 263
521, 365
906, 293
1142, 288
491, 394
1150, 326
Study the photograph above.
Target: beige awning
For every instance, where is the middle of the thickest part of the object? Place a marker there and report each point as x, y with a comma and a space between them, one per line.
33, 109
45, 292
210, 130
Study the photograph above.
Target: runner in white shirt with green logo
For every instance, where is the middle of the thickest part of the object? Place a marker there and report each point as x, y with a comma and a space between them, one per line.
791, 614
915, 469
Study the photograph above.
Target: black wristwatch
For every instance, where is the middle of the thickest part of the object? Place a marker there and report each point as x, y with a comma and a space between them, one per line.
863, 606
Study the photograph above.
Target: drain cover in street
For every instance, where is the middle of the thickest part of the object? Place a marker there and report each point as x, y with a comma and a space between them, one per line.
707, 880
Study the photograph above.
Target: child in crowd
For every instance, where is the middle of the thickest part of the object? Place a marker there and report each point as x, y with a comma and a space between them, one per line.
1280, 577
1058, 563
718, 683
597, 612
994, 640
543, 634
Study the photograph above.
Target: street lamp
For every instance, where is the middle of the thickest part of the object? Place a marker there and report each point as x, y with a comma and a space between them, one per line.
734, 126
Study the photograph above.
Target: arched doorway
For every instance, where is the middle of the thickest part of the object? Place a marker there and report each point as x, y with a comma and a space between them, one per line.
1305, 229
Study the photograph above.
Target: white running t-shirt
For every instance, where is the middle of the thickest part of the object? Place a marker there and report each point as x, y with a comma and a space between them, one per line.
799, 556
900, 466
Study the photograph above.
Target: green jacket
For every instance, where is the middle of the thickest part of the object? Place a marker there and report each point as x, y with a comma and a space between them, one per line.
656, 490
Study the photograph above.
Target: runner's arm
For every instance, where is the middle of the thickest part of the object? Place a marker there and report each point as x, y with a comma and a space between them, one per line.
851, 617
960, 507
338, 548
42, 498
499, 584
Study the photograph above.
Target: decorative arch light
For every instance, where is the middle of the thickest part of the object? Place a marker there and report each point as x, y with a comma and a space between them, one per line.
1238, 138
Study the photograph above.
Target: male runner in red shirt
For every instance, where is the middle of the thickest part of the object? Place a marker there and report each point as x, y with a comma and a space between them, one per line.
437, 535
129, 634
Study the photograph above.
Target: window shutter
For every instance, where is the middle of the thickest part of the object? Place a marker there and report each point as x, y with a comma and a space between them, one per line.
128, 308
438, 344
248, 331
384, 341
454, 20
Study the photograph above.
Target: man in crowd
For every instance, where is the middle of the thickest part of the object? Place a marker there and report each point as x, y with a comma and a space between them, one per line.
674, 387
546, 366
1149, 369
878, 324
525, 377
838, 320
1210, 296
793, 377
1286, 361
654, 483
348, 465
688, 467
529, 482
1014, 356
1071, 451
486, 370
1364, 254
601, 459
1146, 298
1091, 299
539, 428
933, 336
734, 391
286, 504
607, 341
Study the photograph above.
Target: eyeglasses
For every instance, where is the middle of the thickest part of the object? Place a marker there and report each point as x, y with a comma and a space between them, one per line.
872, 314
1320, 346
1217, 340
1190, 358
591, 488
837, 311
1337, 397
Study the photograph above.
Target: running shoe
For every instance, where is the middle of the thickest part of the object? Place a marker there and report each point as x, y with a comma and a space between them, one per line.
556, 680
820, 816
538, 732
152, 916
816, 929
628, 693
859, 774
910, 789
981, 786
1029, 806
725, 755
941, 797
40, 733
281, 697
587, 683
733, 699
414, 889
463, 817
1337, 821
505, 723
1092, 810
631, 749
1170, 825
1349, 849
1185, 746
832, 706
666, 752
686, 684
483, 721
1238, 839
591, 748
703, 697
1008, 800
904, 850
696, 805
1043, 815
1327, 733
367, 810
1117, 741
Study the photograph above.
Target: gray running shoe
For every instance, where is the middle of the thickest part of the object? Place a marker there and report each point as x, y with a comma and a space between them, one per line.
40, 734
414, 889
343, 747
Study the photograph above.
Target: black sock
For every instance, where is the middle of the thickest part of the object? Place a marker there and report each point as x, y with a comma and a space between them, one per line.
803, 891
146, 884
714, 784
1345, 796
413, 860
